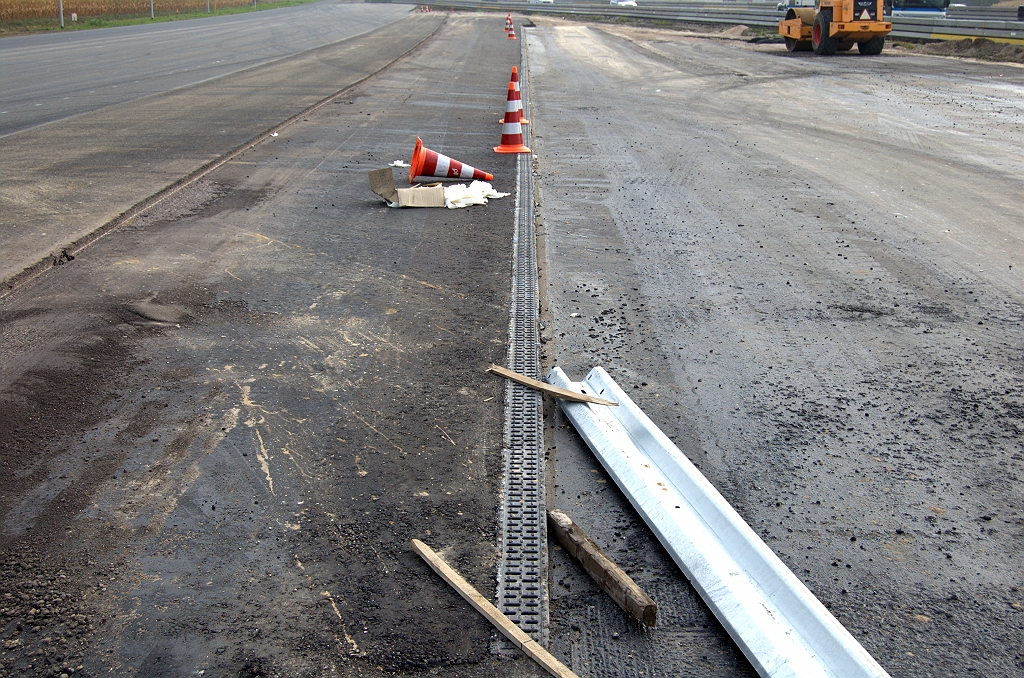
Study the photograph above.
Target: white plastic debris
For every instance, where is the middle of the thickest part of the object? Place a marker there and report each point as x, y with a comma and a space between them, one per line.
398, 163
477, 193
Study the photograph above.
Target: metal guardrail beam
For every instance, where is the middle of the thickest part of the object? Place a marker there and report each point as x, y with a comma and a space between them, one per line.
987, 13
774, 619
752, 14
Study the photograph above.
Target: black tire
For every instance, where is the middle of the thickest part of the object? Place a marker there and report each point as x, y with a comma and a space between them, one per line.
872, 47
845, 46
821, 42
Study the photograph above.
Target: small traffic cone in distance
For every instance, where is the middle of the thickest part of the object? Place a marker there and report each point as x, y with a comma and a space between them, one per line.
428, 163
512, 33
511, 130
519, 98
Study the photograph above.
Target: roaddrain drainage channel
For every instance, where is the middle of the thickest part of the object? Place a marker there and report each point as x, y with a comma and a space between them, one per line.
523, 568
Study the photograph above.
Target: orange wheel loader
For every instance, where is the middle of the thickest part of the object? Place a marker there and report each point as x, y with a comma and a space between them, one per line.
835, 26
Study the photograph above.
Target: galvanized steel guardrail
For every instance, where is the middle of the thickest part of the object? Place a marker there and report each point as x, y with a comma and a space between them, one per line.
761, 14
775, 620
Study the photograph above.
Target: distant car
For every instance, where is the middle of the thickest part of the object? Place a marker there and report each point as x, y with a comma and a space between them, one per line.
540, 2
624, 3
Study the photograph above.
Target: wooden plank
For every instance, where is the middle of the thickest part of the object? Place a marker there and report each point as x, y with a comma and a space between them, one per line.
515, 634
556, 391
609, 576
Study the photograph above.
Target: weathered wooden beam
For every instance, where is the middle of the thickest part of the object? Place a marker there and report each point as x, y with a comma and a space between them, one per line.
515, 634
609, 576
562, 393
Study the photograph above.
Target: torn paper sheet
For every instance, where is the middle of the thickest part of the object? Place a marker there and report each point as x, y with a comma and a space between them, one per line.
477, 193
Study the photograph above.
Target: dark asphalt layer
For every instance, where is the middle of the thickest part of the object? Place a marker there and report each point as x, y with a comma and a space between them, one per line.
54, 76
60, 183
224, 422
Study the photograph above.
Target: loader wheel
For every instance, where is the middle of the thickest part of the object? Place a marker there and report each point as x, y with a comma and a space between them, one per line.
821, 42
794, 45
873, 46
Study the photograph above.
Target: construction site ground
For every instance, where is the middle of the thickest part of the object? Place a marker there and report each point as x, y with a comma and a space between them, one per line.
223, 422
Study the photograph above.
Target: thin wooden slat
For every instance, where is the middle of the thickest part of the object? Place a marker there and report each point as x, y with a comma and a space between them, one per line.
609, 576
562, 393
518, 637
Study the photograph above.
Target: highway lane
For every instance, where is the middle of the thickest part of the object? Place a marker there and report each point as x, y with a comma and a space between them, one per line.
807, 272
55, 76
60, 183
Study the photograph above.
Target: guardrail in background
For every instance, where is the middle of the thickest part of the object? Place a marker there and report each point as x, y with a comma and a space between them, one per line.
763, 15
986, 13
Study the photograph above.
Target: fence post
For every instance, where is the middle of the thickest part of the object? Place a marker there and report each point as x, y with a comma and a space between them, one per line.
151, 10
60, 6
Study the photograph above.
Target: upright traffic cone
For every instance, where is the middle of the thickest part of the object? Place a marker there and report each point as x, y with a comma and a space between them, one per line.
511, 130
428, 163
512, 33
508, 22
519, 98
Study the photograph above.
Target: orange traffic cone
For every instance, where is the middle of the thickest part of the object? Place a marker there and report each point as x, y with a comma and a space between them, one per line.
508, 22
511, 129
519, 98
428, 163
512, 33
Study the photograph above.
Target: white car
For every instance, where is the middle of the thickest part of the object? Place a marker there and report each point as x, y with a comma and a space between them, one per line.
541, 2
624, 3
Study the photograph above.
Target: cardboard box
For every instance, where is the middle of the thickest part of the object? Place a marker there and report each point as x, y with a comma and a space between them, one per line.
382, 182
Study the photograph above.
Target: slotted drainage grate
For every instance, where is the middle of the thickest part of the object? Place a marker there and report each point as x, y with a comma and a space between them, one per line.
522, 573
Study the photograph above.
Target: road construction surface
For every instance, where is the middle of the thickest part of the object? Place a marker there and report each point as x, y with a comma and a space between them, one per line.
808, 273
223, 422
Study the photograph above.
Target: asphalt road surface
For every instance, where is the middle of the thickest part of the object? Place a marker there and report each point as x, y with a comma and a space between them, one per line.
223, 422
62, 182
54, 76
808, 272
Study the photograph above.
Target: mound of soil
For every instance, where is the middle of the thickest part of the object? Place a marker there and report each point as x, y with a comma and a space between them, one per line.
974, 48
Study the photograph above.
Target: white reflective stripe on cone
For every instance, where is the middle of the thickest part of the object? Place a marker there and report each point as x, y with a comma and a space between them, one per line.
512, 128
443, 162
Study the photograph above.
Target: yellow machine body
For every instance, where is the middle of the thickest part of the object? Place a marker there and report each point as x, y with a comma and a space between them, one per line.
836, 25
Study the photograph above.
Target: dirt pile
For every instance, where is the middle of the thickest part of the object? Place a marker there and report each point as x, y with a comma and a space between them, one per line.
974, 48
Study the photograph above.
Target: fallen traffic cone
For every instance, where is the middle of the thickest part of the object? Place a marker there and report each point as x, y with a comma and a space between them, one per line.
512, 33
519, 98
511, 129
428, 163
